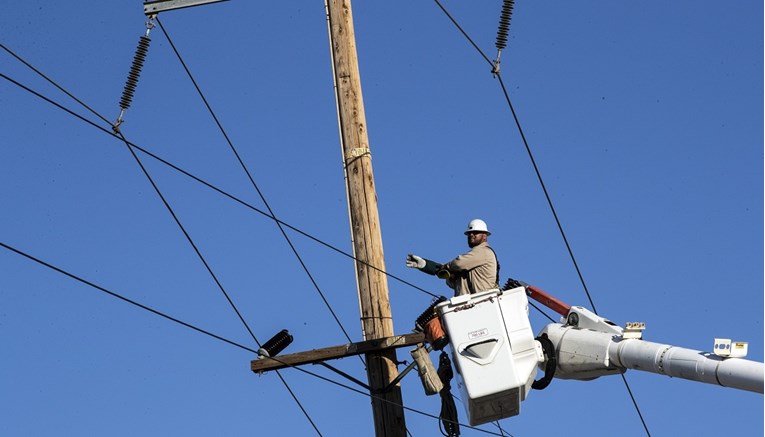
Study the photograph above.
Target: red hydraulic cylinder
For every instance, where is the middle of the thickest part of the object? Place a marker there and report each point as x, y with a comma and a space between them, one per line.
547, 300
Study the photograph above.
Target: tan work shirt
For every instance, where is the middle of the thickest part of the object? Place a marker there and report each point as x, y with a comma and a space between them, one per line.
473, 271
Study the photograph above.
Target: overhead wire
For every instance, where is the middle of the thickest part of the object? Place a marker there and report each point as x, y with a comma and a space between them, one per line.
528, 151
270, 214
188, 237
255, 185
188, 174
184, 172
252, 180
51, 81
634, 403
132, 82
179, 224
167, 163
497, 74
209, 185
127, 97
203, 331
132, 146
465, 34
546, 193
202, 181
122, 298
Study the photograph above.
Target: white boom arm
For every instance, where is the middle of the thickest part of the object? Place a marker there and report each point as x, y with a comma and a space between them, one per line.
589, 346
496, 354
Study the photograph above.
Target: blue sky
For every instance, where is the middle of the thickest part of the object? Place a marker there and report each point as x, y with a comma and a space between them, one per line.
645, 120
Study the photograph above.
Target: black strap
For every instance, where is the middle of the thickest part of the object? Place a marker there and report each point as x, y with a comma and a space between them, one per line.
496, 258
552, 363
449, 424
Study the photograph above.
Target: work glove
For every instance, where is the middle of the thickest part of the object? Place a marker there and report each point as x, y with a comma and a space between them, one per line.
414, 261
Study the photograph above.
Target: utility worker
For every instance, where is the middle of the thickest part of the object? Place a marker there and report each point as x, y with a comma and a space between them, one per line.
471, 272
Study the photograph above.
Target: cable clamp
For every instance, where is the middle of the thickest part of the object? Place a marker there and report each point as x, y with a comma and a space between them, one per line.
495, 67
495, 64
358, 152
150, 23
116, 125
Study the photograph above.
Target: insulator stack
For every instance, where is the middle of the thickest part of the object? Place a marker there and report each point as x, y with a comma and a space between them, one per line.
512, 283
429, 314
504, 23
276, 344
135, 72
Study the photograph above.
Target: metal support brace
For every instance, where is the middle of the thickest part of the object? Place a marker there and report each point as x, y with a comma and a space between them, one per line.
155, 6
382, 390
398, 378
343, 374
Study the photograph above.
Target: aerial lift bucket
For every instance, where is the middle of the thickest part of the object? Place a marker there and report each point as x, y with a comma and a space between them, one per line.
493, 350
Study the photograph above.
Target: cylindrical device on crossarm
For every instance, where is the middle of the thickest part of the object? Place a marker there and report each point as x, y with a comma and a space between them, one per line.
276, 344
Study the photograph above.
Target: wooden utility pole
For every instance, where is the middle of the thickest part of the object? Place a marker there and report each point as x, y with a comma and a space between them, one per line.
376, 320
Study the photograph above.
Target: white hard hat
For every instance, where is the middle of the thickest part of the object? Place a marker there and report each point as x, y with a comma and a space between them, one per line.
477, 225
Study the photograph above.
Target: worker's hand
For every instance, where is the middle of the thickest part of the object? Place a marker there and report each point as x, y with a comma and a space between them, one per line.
414, 261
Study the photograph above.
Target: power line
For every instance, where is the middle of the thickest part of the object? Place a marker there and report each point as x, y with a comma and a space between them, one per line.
465, 34
634, 403
205, 263
131, 146
195, 328
196, 178
182, 228
124, 103
544, 189
528, 151
255, 186
188, 237
210, 271
271, 216
184, 172
52, 82
209, 185
123, 298
498, 75
252, 181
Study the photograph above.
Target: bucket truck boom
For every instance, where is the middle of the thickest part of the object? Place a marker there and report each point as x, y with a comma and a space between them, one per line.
589, 346
496, 356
